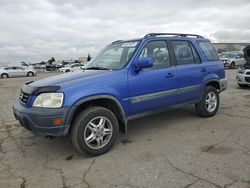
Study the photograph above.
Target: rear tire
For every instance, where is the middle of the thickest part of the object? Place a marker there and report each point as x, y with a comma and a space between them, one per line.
209, 104
94, 131
30, 74
4, 75
232, 65
67, 71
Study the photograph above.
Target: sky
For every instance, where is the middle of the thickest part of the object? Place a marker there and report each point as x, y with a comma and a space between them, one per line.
35, 30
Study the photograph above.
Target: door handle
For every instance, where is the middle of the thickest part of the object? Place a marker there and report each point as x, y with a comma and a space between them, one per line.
169, 75
203, 70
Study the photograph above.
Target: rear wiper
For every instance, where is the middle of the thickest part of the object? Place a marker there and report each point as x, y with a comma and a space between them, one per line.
96, 68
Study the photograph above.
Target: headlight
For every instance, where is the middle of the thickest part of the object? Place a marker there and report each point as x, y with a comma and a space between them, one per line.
49, 100
241, 71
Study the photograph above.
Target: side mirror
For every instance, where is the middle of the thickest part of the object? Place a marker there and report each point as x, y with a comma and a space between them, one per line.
237, 57
144, 62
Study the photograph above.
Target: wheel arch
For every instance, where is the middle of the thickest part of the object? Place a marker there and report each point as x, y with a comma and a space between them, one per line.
215, 83
5, 73
106, 101
232, 63
211, 82
30, 72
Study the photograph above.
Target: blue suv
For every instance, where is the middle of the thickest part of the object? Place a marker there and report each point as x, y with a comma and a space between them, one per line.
127, 79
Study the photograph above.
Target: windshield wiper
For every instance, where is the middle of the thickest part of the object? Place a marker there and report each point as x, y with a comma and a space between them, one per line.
96, 68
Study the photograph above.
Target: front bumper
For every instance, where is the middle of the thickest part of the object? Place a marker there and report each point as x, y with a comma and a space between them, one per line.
223, 84
41, 120
243, 79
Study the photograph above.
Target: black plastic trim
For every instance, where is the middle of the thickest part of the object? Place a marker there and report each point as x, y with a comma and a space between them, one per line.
37, 90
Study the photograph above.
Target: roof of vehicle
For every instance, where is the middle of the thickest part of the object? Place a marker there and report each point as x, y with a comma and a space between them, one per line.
163, 35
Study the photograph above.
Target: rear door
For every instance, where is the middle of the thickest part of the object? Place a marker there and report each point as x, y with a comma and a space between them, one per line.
190, 70
153, 87
11, 71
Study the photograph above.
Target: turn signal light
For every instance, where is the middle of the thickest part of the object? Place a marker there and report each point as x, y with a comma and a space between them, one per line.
57, 121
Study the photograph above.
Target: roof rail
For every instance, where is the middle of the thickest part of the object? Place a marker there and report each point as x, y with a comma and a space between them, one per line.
173, 34
117, 41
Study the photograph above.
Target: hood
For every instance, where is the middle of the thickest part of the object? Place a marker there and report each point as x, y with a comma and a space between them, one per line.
54, 83
224, 59
71, 82
69, 78
247, 66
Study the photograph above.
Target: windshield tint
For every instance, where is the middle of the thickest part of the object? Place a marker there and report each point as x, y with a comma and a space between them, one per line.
228, 56
114, 56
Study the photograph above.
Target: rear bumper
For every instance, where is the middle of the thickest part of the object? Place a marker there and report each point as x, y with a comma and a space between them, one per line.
223, 84
41, 121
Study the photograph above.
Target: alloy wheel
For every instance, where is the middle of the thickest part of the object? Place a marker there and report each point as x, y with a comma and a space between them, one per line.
211, 101
98, 132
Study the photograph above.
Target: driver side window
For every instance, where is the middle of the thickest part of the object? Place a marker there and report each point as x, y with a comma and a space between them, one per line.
158, 51
19, 68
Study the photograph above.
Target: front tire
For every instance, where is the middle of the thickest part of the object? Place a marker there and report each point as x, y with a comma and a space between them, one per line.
232, 65
4, 75
94, 131
209, 104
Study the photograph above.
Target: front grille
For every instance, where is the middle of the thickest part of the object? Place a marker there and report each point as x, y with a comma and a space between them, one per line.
247, 79
24, 97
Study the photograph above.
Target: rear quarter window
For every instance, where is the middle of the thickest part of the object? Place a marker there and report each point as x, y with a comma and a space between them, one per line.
208, 50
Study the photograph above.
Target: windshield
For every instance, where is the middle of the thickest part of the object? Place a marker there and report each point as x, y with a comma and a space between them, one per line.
228, 55
114, 56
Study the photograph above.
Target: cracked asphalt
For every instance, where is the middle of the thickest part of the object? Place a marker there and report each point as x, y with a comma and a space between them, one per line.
175, 149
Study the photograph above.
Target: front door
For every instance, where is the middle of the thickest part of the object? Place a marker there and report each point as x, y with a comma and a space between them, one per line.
20, 71
154, 87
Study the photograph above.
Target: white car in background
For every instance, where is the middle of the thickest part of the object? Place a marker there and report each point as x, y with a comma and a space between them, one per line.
243, 76
16, 71
233, 59
71, 68
243, 73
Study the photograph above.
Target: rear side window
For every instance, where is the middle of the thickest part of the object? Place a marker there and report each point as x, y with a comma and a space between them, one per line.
209, 51
185, 53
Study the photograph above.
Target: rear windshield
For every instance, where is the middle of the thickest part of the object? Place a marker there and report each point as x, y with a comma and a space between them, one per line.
208, 50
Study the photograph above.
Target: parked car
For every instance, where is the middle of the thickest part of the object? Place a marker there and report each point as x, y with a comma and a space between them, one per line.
243, 73
50, 67
39, 66
71, 68
233, 59
128, 79
17, 71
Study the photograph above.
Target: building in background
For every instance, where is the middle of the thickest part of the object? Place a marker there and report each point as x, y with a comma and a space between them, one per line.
83, 59
226, 47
